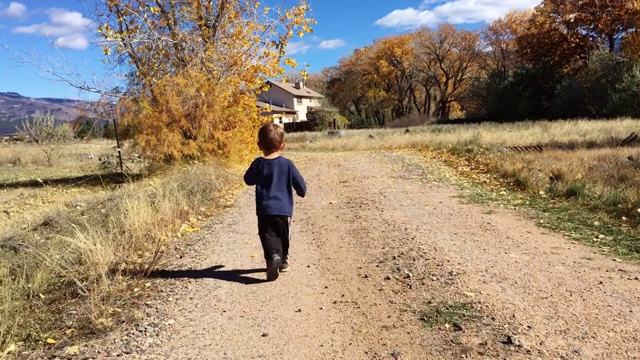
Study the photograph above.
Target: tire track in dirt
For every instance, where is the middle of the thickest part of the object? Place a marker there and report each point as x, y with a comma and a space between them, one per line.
374, 244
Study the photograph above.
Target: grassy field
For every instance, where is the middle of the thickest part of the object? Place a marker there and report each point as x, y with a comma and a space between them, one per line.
583, 181
557, 134
24, 195
71, 235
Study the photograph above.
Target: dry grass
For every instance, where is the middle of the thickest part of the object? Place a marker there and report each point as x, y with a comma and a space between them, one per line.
68, 265
22, 161
562, 134
24, 198
602, 183
580, 170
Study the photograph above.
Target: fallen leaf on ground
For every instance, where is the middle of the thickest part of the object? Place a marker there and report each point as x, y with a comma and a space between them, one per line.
9, 350
73, 350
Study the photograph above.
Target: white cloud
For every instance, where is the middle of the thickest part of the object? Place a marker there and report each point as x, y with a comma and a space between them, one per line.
73, 42
15, 10
299, 47
69, 27
331, 44
431, 12
62, 23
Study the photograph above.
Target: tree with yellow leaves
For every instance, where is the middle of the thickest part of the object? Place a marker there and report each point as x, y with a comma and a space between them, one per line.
394, 63
195, 69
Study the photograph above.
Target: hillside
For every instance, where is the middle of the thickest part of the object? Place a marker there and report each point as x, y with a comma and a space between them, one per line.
14, 108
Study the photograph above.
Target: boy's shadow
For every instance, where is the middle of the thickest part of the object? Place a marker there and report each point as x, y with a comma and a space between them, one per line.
213, 272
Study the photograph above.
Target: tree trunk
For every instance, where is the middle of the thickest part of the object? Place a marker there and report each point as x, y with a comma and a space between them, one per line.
612, 43
443, 104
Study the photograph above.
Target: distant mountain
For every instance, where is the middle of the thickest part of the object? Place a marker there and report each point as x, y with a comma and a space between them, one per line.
14, 108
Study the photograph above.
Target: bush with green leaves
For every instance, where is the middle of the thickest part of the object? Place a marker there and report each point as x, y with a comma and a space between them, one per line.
607, 88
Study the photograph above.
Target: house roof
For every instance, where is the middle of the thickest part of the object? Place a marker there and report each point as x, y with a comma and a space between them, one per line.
275, 108
290, 88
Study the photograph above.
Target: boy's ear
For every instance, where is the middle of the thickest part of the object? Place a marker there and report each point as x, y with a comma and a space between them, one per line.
283, 145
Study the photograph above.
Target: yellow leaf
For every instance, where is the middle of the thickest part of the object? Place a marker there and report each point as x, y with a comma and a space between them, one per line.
51, 341
73, 350
70, 331
9, 350
41, 296
192, 230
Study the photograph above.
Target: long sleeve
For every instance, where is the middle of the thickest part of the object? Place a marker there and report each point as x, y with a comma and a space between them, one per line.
251, 176
298, 182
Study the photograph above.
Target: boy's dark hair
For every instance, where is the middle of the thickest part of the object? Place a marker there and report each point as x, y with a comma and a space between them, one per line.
270, 137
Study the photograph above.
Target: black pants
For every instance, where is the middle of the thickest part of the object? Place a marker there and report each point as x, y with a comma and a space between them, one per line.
274, 235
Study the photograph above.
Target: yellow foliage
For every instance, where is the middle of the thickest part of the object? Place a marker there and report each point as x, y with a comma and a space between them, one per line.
196, 119
196, 69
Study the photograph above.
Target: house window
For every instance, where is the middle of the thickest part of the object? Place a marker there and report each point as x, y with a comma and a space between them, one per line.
299, 101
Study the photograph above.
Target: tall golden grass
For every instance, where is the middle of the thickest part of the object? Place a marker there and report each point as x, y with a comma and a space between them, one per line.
73, 263
602, 180
561, 134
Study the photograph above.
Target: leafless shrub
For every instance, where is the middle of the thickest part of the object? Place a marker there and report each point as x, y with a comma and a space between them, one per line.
43, 131
409, 121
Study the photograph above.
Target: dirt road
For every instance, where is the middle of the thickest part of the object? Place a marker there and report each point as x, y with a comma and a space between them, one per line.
375, 246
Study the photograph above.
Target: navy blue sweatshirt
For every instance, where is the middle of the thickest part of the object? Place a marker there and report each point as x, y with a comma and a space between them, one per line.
275, 179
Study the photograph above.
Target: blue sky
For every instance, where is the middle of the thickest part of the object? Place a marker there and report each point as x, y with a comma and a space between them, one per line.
61, 36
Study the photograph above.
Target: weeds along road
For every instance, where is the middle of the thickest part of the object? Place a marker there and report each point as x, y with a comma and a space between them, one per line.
379, 251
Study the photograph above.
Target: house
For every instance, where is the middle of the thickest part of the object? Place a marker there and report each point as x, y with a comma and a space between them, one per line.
281, 115
292, 100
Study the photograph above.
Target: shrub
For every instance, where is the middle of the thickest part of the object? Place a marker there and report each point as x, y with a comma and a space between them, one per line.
68, 269
607, 88
576, 189
409, 121
46, 133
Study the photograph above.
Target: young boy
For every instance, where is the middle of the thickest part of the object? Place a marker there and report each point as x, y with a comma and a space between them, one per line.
275, 177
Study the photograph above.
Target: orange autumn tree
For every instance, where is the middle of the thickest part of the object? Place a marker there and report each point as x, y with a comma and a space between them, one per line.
195, 67
500, 36
631, 40
565, 33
